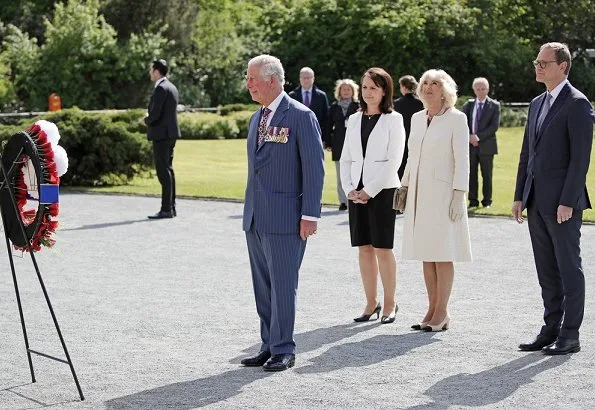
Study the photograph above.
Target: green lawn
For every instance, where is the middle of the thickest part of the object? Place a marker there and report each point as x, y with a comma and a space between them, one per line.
217, 169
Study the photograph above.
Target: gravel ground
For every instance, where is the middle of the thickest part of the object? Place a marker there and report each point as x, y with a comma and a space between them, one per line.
158, 314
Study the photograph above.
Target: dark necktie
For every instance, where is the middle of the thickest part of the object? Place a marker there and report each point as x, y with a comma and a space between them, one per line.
544, 110
262, 126
478, 115
307, 98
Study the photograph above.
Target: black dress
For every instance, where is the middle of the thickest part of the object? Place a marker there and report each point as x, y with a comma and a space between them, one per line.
372, 223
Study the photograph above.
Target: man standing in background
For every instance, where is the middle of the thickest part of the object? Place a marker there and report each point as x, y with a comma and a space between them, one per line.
163, 130
313, 98
483, 119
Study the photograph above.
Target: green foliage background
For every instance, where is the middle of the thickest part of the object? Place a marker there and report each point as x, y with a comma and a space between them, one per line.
95, 53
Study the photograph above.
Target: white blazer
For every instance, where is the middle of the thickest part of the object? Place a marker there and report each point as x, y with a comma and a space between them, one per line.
384, 154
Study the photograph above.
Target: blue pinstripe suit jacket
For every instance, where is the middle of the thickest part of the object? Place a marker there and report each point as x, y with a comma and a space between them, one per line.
284, 179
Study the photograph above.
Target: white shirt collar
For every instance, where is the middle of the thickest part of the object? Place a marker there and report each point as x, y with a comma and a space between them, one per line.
162, 79
556, 91
274, 105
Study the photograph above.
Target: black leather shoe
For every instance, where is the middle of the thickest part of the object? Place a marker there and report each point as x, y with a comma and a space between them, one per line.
473, 205
563, 346
161, 215
173, 211
258, 360
539, 343
343, 207
279, 362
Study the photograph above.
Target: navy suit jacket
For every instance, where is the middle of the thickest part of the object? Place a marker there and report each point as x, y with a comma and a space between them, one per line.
554, 162
488, 124
284, 179
318, 104
162, 121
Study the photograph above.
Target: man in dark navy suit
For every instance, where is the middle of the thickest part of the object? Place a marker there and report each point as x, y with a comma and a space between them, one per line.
550, 183
163, 130
282, 205
483, 119
313, 98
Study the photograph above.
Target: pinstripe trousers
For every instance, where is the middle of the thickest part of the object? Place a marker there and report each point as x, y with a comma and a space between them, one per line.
275, 263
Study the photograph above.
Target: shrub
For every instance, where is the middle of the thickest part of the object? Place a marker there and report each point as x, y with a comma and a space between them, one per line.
242, 119
100, 151
230, 108
205, 126
513, 116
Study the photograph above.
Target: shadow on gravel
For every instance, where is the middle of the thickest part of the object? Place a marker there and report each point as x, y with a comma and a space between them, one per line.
216, 388
31, 399
191, 394
106, 225
315, 339
367, 352
490, 386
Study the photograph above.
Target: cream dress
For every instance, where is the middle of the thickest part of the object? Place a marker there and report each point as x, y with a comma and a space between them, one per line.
438, 163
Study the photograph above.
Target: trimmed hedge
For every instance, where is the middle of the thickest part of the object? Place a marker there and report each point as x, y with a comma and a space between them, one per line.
101, 148
110, 148
231, 108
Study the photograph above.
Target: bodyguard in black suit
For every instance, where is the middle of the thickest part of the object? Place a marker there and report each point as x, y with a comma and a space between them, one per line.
483, 119
313, 98
407, 105
550, 183
163, 130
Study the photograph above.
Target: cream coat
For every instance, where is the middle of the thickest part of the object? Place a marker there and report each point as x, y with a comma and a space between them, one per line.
384, 154
438, 163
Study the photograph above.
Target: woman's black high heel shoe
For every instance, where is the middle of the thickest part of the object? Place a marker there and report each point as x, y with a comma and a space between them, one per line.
365, 318
389, 319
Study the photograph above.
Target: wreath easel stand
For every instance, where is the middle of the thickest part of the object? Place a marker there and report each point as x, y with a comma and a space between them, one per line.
21, 236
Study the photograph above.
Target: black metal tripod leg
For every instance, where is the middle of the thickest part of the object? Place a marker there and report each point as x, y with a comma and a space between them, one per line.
16, 290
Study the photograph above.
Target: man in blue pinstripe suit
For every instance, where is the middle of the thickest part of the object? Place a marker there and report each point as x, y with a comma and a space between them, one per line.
282, 205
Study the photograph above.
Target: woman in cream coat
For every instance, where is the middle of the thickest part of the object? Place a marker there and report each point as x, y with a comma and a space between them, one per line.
436, 229
371, 156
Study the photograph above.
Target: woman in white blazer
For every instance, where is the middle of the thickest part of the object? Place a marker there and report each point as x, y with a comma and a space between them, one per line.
436, 229
371, 156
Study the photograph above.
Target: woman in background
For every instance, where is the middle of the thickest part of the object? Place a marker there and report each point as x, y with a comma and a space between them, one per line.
346, 92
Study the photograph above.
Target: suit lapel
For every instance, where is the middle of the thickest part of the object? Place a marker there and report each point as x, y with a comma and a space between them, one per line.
278, 117
487, 107
558, 103
253, 132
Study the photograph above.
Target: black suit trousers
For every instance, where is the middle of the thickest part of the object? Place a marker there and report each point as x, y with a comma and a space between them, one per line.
163, 155
556, 249
486, 163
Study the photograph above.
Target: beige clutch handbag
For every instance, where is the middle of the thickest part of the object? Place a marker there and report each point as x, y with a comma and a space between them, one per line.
400, 199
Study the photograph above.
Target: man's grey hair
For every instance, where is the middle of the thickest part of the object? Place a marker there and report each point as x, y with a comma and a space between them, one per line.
481, 80
270, 66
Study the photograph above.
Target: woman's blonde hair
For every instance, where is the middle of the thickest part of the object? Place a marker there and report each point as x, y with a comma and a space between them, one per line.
350, 83
449, 87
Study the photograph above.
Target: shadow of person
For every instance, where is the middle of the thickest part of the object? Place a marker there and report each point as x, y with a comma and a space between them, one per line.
490, 386
191, 394
367, 352
105, 225
314, 339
